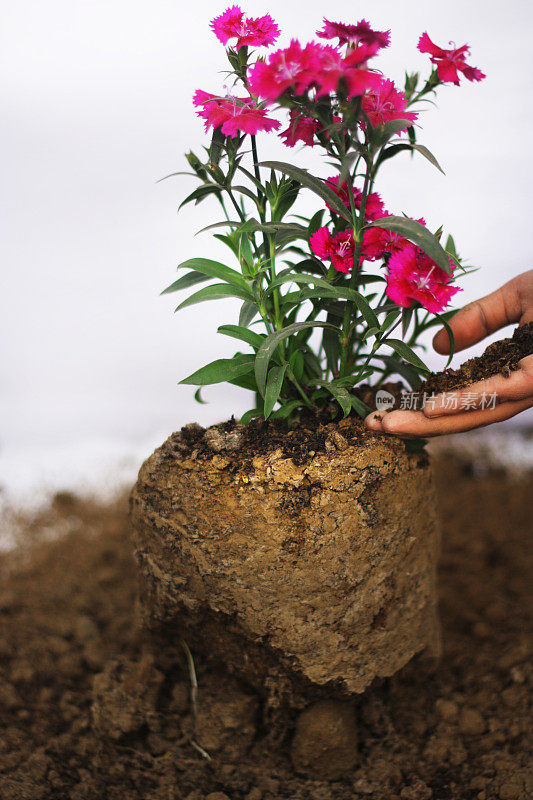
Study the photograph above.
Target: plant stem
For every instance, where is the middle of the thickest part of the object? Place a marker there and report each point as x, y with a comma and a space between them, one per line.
301, 392
359, 222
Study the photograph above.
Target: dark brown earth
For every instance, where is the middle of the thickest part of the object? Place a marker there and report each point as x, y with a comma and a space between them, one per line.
501, 357
308, 434
69, 641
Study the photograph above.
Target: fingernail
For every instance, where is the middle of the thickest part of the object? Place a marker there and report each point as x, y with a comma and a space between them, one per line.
373, 421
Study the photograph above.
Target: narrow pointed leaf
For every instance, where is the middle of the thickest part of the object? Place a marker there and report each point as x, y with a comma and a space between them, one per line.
406, 353
286, 409
427, 154
359, 407
215, 270
199, 194
251, 414
342, 396
273, 388
419, 235
215, 292
221, 370
268, 348
186, 281
316, 185
244, 334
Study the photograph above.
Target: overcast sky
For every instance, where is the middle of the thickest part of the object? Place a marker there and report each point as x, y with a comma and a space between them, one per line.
96, 99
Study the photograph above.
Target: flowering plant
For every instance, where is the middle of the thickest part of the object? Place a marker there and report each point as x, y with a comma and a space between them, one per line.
353, 271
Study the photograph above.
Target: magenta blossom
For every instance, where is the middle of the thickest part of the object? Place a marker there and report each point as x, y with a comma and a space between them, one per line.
233, 115
321, 66
339, 248
301, 129
385, 103
413, 276
233, 24
290, 68
332, 67
374, 208
354, 34
450, 62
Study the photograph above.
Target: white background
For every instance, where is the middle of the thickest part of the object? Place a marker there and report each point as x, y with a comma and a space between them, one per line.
96, 102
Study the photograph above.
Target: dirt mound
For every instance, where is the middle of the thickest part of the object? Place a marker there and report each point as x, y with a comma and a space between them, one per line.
88, 712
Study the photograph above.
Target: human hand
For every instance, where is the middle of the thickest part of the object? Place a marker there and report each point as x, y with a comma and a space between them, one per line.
446, 413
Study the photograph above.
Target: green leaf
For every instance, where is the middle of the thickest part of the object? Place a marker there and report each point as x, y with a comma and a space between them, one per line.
215, 292
215, 270
297, 364
390, 152
273, 387
406, 353
248, 311
251, 414
299, 278
391, 317
337, 293
315, 222
450, 336
382, 133
316, 185
359, 407
427, 154
185, 282
200, 194
405, 370
398, 147
221, 370
419, 235
267, 349
244, 334
407, 314
342, 396
450, 246
198, 397
331, 346
286, 409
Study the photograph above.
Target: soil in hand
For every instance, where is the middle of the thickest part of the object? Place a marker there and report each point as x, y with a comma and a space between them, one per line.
500, 358
89, 712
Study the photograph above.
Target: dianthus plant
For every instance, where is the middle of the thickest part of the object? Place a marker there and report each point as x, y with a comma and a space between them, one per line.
340, 298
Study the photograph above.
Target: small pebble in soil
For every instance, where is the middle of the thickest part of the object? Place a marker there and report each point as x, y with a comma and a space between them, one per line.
446, 709
471, 723
325, 740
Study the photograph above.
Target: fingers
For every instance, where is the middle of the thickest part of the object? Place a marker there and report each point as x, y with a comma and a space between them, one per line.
497, 389
409, 424
513, 302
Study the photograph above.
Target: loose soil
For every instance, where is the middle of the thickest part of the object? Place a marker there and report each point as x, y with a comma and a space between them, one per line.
309, 434
70, 643
501, 357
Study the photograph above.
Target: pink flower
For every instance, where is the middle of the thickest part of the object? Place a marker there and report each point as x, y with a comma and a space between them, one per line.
385, 103
379, 242
232, 24
291, 68
450, 62
358, 78
339, 248
300, 129
354, 34
413, 276
232, 114
374, 208
323, 67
